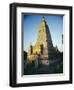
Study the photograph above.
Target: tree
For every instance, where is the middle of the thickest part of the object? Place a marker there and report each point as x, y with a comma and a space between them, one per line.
25, 55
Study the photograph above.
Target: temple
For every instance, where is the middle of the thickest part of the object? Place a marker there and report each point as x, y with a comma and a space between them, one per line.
43, 50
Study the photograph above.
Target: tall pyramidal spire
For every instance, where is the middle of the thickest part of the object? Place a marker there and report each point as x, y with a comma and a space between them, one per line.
44, 36
43, 46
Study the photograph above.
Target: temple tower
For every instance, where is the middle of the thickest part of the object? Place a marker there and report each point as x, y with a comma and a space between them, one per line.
44, 38
44, 47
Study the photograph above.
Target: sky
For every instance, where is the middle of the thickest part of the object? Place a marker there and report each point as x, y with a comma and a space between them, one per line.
30, 26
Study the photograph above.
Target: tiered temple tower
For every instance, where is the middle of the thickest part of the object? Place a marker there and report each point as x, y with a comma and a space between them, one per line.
43, 49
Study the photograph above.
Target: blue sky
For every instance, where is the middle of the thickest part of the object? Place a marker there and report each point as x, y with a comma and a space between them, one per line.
31, 25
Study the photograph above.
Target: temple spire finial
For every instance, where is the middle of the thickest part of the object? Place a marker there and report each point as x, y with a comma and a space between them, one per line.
43, 19
30, 43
